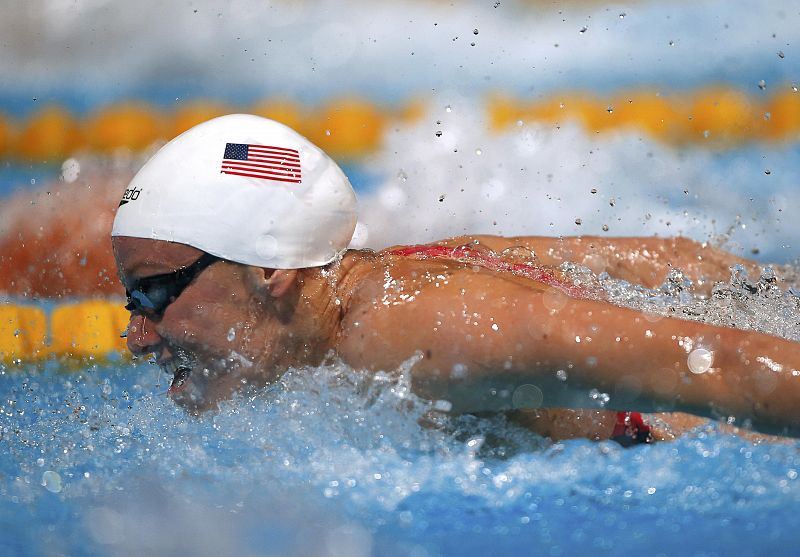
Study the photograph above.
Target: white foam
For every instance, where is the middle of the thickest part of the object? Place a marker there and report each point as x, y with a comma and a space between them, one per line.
531, 180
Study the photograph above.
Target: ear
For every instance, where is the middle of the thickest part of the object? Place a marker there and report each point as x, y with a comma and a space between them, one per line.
281, 281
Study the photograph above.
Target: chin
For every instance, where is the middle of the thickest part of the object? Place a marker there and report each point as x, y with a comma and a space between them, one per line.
192, 394
202, 388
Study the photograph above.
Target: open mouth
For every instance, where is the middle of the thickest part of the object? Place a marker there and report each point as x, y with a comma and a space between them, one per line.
180, 367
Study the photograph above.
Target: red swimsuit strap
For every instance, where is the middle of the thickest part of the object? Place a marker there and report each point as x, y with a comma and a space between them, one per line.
630, 429
493, 262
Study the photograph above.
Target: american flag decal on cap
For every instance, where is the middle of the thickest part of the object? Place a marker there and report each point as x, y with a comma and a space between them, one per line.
262, 161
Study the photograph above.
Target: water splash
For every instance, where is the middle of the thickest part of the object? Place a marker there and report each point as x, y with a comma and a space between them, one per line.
538, 180
763, 304
333, 457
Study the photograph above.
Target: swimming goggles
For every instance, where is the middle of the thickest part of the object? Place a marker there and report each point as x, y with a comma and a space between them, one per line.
152, 295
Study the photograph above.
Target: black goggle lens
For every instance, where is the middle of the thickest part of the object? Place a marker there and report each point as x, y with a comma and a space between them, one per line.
152, 295
151, 301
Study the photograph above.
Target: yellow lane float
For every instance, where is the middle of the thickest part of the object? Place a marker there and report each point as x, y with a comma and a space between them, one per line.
48, 135
82, 330
132, 126
6, 132
351, 127
193, 113
23, 331
286, 112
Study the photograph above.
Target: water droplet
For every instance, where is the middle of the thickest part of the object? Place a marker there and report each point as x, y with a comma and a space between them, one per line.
70, 170
443, 405
578, 221
610, 109
474, 31
327, 132
762, 84
231, 334
266, 247
495, 327
52, 481
439, 134
441, 198
459, 371
622, 15
781, 54
593, 190
672, 43
527, 396
561, 374
601, 398
700, 360
767, 171
605, 228
401, 175
448, 108
478, 152
583, 30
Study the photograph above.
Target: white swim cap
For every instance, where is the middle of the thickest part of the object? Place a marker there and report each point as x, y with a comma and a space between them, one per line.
246, 189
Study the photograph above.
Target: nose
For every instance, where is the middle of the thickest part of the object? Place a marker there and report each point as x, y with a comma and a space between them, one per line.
142, 335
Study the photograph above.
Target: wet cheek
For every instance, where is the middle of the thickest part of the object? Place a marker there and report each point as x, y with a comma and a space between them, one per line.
205, 324
196, 313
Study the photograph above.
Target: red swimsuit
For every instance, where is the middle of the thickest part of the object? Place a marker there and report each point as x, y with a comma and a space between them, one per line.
630, 428
493, 262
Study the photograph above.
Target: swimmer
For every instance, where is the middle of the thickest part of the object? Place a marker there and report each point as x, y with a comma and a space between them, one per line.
231, 243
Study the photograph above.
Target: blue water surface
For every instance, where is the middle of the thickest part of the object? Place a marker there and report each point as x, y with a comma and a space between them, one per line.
15, 176
98, 461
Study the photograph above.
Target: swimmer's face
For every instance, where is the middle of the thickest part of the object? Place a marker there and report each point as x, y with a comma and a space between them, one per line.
211, 335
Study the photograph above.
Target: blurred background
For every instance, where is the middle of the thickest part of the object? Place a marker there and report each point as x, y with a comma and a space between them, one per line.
650, 117
500, 116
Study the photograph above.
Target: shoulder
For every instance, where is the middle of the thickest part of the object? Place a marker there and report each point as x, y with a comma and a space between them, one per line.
394, 306
365, 276
386, 300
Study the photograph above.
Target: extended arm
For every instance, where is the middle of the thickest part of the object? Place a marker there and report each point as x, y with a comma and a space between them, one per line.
645, 261
482, 338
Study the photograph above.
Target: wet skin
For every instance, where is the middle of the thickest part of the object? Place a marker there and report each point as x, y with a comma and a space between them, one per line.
479, 335
227, 318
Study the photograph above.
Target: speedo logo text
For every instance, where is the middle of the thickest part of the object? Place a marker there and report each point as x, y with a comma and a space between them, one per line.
131, 194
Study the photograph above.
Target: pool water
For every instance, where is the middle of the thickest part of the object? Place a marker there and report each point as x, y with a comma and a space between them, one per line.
330, 461
99, 461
